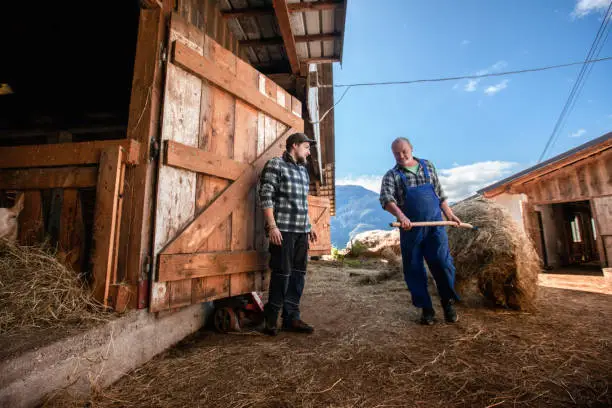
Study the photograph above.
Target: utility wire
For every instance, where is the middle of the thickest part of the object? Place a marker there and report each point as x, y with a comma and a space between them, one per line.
596, 47
456, 78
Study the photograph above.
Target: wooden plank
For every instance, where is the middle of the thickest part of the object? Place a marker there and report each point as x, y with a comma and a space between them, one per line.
318, 201
204, 68
198, 231
125, 296
221, 142
241, 283
143, 127
298, 39
320, 60
64, 154
31, 224
603, 214
282, 17
315, 6
116, 276
176, 188
245, 150
45, 178
217, 287
105, 221
160, 296
72, 230
180, 293
201, 161
248, 12
187, 266
296, 108
150, 4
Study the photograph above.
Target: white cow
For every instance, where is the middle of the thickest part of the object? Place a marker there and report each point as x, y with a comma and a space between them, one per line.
8, 220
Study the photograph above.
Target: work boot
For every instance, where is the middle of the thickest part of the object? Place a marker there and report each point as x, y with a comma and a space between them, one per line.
298, 326
450, 314
427, 318
270, 328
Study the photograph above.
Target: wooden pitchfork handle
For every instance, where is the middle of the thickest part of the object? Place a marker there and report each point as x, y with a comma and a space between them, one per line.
436, 224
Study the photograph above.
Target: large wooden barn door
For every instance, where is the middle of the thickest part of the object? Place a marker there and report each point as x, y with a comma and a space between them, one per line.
221, 121
319, 211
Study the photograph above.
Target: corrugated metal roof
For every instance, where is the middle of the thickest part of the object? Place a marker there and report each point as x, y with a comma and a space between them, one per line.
264, 26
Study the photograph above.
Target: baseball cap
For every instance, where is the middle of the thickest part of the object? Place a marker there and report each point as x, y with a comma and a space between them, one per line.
298, 138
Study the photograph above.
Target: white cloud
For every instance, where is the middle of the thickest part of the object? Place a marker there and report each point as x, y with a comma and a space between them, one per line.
493, 89
578, 133
369, 182
458, 182
585, 7
463, 181
472, 84
465, 42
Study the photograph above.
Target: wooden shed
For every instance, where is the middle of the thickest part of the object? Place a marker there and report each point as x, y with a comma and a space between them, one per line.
137, 134
565, 204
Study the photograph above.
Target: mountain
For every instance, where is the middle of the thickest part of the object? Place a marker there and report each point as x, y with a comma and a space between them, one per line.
357, 210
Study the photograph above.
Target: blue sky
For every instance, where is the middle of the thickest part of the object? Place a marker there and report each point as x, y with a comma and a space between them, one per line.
474, 132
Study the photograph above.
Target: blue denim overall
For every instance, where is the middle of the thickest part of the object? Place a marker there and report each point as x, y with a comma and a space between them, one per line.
421, 203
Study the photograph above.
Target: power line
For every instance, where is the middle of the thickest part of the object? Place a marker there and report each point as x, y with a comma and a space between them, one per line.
456, 78
596, 47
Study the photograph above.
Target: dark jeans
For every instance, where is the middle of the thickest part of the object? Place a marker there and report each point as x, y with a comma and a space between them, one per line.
288, 263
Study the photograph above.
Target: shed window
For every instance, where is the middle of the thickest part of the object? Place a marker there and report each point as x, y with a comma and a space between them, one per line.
575, 223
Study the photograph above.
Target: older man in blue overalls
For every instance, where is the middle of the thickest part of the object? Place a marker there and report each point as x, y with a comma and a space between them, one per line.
411, 192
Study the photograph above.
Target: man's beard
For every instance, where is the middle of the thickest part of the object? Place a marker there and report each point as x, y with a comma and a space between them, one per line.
302, 160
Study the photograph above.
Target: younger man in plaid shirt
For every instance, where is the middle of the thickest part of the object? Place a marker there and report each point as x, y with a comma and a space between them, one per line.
283, 196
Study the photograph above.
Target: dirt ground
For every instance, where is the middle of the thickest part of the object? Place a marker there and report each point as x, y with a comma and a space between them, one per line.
369, 351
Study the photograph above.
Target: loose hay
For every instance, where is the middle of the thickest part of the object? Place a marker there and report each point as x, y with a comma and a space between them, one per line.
368, 351
499, 257
36, 290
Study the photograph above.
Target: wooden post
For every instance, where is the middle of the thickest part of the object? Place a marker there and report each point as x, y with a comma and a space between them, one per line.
105, 221
143, 126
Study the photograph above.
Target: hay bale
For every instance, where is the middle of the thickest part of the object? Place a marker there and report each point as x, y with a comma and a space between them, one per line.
499, 257
36, 290
372, 243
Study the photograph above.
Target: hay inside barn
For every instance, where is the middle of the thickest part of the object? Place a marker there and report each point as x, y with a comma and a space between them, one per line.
37, 290
499, 257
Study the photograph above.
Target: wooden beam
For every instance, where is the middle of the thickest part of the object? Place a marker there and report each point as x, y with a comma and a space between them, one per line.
321, 60
196, 233
247, 12
198, 265
282, 15
202, 67
201, 161
105, 221
150, 4
318, 6
143, 127
298, 39
46, 178
64, 154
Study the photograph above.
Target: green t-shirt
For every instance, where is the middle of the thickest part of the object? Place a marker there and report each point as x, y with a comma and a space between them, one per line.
413, 169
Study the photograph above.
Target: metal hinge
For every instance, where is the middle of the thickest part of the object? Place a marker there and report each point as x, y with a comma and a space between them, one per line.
163, 52
154, 151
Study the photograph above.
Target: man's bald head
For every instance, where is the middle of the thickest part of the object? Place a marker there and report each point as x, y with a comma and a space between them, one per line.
401, 140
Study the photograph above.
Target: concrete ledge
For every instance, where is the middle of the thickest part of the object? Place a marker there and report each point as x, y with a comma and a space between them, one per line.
96, 358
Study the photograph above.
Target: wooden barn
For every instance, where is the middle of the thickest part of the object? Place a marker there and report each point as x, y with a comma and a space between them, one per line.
565, 205
137, 132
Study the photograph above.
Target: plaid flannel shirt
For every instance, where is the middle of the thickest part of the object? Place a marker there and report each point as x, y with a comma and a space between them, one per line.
283, 186
392, 187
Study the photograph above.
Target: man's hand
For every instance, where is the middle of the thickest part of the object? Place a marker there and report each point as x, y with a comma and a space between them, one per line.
406, 224
455, 219
312, 235
276, 237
